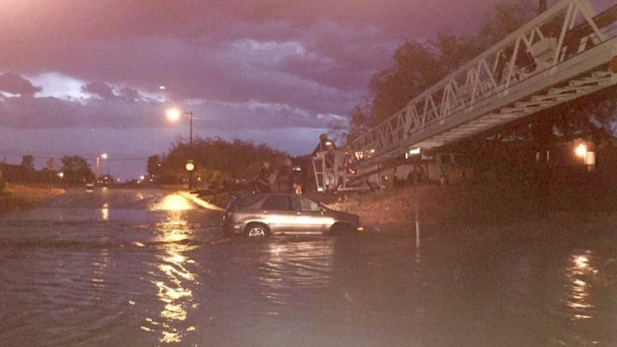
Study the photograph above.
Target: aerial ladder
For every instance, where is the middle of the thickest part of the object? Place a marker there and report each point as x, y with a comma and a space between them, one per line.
565, 53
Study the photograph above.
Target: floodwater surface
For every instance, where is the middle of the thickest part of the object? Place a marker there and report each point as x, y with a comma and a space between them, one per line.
148, 268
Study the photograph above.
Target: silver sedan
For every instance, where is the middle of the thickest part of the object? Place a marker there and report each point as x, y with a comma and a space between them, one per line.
261, 215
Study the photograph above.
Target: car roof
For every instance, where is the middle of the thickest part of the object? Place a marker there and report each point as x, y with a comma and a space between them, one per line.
272, 194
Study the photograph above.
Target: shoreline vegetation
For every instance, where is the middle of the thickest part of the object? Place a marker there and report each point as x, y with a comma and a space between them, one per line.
23, 197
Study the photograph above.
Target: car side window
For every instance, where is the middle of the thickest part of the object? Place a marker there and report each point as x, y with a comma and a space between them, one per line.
248, 200
280, 203
304, 204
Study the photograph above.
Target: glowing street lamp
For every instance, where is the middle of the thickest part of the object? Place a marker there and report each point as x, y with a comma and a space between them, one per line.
190, 166
98, 163
581, 151
174, 114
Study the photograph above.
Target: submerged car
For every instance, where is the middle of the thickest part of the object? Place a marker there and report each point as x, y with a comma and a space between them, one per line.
261, 215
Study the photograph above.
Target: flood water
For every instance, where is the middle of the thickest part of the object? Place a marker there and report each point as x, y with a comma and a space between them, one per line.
148, 268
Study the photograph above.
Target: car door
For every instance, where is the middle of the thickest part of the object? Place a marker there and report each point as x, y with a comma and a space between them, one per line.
310, 218
278, 213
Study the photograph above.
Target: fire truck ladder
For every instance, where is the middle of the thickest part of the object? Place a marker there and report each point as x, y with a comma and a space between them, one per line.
563, 54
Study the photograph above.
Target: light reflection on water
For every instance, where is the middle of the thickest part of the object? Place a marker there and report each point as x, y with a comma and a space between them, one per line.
173, 292
173, 202
579, 273
105, 212
121, 283
306, 264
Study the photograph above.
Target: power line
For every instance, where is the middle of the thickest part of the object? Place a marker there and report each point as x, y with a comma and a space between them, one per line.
60, 158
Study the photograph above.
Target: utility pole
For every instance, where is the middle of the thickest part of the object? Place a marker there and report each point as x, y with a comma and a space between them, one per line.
191, 148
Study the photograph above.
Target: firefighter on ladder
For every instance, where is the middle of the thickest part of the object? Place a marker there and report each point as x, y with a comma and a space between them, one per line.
326, 150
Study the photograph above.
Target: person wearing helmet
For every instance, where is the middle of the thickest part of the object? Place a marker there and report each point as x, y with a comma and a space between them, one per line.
324, 144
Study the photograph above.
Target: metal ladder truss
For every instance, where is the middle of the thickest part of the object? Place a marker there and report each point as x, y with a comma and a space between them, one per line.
561, 55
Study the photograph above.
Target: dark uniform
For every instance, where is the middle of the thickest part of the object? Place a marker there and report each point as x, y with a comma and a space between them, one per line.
263, 183
285, 179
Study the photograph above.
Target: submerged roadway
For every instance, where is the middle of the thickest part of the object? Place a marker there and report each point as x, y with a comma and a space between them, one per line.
149, 268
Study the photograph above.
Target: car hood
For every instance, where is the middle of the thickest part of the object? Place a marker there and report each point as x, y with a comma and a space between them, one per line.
343, 216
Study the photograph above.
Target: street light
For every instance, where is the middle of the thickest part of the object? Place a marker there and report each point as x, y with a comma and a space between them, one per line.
581, 151
98, 163
190, 166
174, 114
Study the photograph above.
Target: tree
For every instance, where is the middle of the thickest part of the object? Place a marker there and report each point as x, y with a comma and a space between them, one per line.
154, 165
416, 68
217, 157
27, 162
76, 169
359, 123
1, 181
506, 18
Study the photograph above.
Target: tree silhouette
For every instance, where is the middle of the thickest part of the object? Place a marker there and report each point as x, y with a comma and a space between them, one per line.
76, 169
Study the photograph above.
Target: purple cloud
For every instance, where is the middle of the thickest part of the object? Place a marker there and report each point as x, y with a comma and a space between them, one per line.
14, 84
100, 90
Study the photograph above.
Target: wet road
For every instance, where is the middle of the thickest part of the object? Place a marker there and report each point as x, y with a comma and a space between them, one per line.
148, 268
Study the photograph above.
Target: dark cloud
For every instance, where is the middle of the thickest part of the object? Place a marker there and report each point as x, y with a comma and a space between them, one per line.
130, 95
100, 90
190, 45
15, 84
128, 111
104, 92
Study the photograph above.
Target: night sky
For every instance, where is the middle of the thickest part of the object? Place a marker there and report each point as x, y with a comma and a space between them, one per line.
83, 77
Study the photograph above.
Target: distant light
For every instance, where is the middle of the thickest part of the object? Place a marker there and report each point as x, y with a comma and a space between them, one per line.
162, 87
104, 156
372, 151
581, 151
61, 174
189, 166
118, 180
415, 151
581, 261
174, 202
142, 178
173, 114
590, 158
